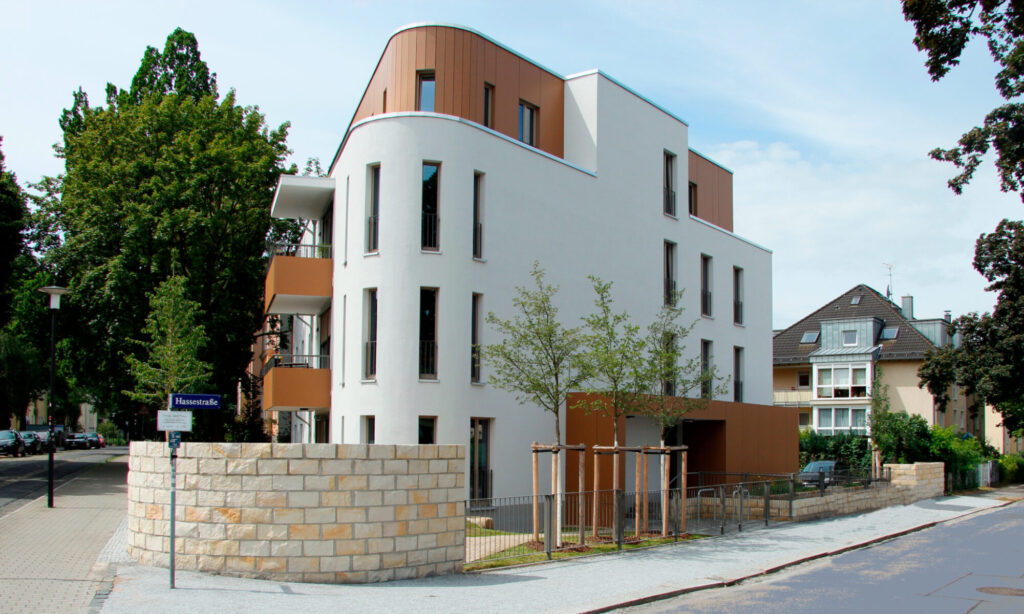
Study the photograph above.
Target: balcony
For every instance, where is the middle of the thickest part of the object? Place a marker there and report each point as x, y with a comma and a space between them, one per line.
792, 398
294, 382
302, 197
298, 279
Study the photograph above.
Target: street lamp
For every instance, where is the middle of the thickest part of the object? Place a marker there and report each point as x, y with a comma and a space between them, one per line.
55, 292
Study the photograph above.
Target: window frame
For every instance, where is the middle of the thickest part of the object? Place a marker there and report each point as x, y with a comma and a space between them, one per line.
737, 295
428, 351
852, 390
529, 118
488, 105
430, 223
850, 343
373, 210
706, 290
426, 76
669, 180
420, 423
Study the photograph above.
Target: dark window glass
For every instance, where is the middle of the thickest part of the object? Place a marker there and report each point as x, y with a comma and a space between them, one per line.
428, 430
428, 333
372, 227
474, 348
478, 226
527, 123
431, 235
488, 105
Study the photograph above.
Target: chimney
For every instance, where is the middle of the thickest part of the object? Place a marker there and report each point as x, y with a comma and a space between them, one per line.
947, 315
908, 307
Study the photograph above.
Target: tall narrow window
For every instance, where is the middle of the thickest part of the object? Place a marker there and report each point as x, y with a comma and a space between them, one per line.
528, 123
737, 374
427, 430
369, 430
692, 198
373, 211
428, 333
370, 351
670, 273
737, 295
705, 285
384, 102
670, 183
668, 384
478, 221
425, 92
705, 368
474, 342
431, 226
488, 105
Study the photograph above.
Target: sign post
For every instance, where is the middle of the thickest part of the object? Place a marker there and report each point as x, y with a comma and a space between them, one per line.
173, 423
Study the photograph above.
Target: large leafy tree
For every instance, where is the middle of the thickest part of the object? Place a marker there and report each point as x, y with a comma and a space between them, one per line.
989, 362
167, 176
535, 358
943, 30
13, 214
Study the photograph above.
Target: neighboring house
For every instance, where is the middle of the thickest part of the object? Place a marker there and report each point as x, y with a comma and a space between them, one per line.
826, 363
464, 163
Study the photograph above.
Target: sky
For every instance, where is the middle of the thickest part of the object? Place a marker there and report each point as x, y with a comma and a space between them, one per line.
823, 110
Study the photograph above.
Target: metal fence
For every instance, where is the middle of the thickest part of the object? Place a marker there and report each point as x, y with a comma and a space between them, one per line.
301, 361
535, 528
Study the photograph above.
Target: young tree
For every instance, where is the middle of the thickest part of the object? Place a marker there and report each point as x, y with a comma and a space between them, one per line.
168, 176
613, 354
175, 337
989, 362
943, 30
678, 385
535, 358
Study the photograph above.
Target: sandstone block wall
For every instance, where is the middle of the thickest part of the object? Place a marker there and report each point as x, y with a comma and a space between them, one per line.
909, 483
301, 512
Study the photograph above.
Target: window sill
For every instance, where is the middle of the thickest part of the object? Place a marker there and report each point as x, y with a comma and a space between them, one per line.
368, 381
707, 316
431, 251
429, 381
669, 215
370, 254
478, 384
739, 324
480, 260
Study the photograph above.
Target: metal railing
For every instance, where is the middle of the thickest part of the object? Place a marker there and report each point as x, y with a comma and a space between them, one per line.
737, 312
297, 361
670, 292
430, 236
370, 360
302, 250
428, 359
372, 234
737, 391
474, 364
705, 302
478, 240
670, 201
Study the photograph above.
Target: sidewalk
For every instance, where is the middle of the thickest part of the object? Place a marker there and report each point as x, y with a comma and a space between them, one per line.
49, 557
579, 585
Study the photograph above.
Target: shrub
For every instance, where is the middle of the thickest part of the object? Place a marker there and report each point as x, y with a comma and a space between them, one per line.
901, 438
1011, 467
851, 451
960, 452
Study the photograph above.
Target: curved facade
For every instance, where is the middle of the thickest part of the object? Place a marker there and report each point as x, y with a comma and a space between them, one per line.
434, 218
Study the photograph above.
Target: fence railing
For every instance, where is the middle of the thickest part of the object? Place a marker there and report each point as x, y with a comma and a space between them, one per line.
297, 361
428, 359
430, 237
478, 240
301, 250
705, 302
670, 201
372, 234
370, 360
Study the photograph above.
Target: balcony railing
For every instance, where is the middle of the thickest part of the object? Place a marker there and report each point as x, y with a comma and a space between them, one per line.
705, 302
737, 391
478, 240
668, 388
428, 359
297, 361
474, 364
370, 360
302, 250
792, 398
670, 201
430, 232
372, 235
670, 292
737, 312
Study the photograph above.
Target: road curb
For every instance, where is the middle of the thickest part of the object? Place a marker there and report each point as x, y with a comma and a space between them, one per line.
787, 565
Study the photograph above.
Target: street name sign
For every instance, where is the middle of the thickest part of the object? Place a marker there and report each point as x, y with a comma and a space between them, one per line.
193, 401
167, 420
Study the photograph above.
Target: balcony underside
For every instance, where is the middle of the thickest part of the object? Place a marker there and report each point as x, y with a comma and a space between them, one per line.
296, 389
298, 285
302, 197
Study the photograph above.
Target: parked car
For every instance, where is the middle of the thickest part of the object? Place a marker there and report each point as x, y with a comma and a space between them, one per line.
92, 440
11, 443
32, 443
813, 473
103, 442
44, 440
74, 441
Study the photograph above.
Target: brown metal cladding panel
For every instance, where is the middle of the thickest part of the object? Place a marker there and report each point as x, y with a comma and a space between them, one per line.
448, 91
552, 123
714, 191
289, 275
294, 388
507, 94
421, 49
459, 70
430, 48
590, 429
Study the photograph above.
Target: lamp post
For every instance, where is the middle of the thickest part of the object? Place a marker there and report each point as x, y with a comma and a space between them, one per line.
55, 292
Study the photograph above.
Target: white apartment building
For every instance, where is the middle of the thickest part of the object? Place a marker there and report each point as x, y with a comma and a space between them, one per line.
465, 163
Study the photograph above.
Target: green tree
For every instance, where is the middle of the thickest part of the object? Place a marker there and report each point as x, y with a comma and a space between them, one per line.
989, 361
167, 176
677, 385
614, 356
943, 30
535, 358
13, 214
175, 337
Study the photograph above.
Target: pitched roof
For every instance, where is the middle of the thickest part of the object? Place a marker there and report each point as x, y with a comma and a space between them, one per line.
909, 344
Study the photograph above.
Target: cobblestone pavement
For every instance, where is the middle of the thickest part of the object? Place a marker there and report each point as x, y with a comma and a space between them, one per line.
48, 557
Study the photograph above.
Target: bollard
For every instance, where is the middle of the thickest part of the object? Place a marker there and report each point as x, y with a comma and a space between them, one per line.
821, 481
620, 518
549, 523
792, 493
767, 502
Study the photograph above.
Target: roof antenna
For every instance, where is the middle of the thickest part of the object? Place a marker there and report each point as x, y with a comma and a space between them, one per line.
888, 289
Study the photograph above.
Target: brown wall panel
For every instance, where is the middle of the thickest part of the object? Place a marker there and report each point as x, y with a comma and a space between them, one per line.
714, 190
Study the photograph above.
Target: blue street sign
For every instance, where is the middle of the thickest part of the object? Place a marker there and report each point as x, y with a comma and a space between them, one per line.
194, 401
174, 439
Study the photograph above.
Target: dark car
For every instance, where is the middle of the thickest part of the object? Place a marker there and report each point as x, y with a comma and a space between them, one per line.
815, 471
93, 440
44, 440
33, 445
73, 441
11, 443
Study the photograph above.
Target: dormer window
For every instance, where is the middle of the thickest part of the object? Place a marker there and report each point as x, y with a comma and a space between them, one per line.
849, 337
810, 336
890, 333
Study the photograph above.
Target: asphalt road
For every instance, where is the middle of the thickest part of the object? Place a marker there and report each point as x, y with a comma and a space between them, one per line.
974, 564
24, 478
